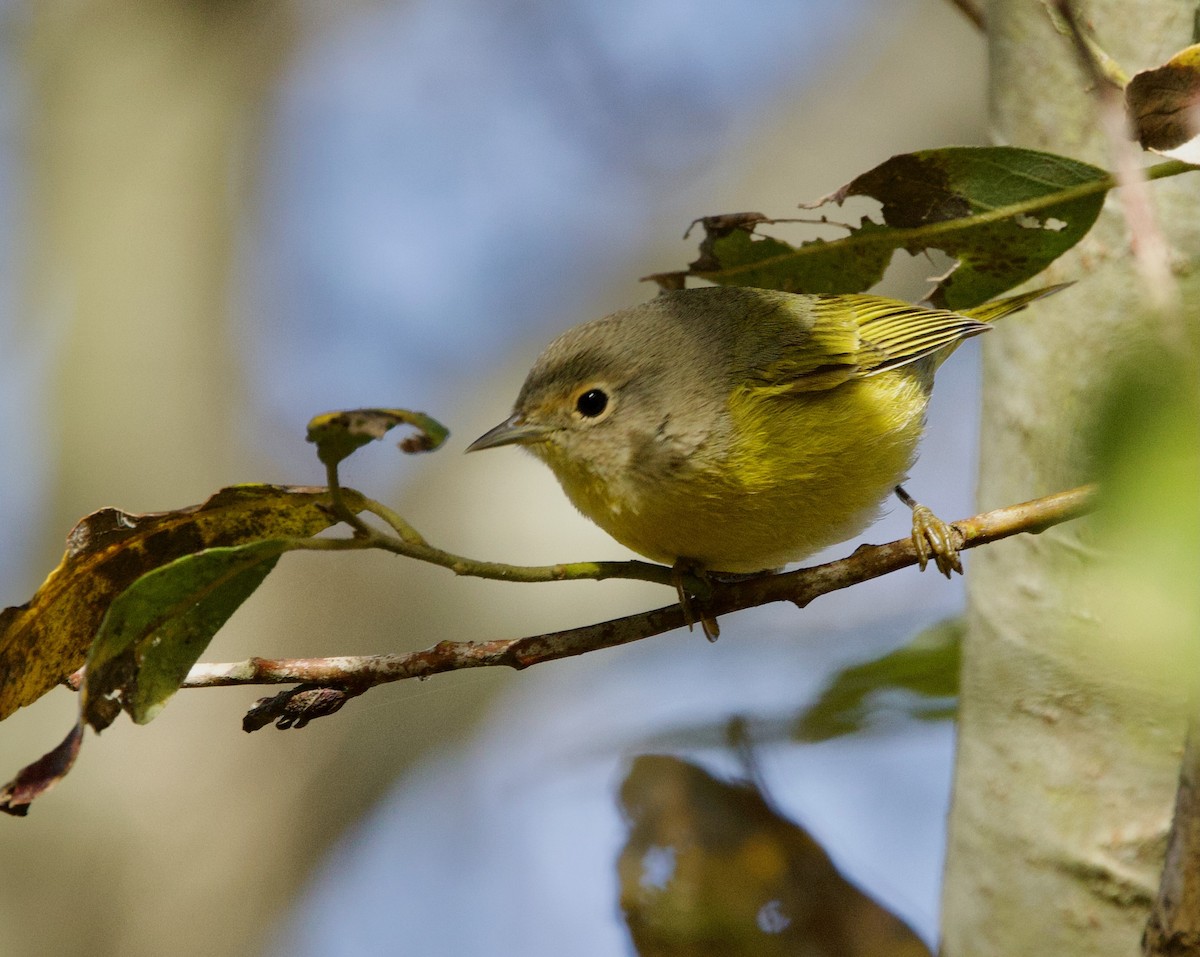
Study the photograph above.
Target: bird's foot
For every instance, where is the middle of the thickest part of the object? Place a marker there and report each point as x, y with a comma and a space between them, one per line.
931, 537
681, 570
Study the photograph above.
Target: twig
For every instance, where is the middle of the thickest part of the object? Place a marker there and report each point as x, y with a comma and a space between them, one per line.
1151, 251
1102, 67
973, 12
800, 587
369, 537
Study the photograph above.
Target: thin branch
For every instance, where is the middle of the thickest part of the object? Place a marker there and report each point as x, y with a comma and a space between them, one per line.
1151, 251
371, 538
973, 12
1099, 65
799, 587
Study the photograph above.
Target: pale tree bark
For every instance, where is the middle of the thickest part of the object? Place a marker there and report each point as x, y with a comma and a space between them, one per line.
1068, 760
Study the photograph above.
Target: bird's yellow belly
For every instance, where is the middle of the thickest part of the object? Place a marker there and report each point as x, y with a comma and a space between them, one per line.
806, 472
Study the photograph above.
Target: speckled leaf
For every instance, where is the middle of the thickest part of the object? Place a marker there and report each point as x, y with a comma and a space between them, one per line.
1003, 213
919, 680
43, 641
160, 625
1164, 106
711, 867
732, 253
339, 434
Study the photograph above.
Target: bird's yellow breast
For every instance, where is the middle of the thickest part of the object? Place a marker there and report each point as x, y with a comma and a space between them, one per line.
792, 474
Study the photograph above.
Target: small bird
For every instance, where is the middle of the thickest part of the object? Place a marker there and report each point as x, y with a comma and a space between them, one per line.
734, 430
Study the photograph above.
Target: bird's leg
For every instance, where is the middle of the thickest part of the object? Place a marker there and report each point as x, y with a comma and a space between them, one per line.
931, 536
679, 571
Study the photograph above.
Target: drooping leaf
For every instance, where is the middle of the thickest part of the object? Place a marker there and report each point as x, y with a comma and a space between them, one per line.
1002, 213
1164, 106
340, 434
160, 625
36, 779
920, 680
45, 640
709, 867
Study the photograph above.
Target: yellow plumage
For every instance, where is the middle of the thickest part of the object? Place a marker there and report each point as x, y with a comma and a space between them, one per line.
737, 429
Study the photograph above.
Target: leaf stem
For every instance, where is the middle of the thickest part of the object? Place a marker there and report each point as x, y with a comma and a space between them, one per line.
496, 571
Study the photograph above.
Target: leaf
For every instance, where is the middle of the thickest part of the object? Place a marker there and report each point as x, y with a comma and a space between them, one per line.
45, 640
1003, 213
1163, 105
710, 867
158, 627
338, 435
36, 779
1145, 450
925, 670
732, 254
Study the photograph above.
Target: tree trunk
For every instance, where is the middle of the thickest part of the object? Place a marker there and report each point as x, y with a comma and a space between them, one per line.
140, 152
1067, 758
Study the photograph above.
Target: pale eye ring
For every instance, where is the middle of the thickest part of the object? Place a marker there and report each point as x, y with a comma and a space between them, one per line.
591, 403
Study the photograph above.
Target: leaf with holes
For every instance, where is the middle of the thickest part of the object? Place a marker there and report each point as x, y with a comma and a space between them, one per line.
338, 435
1002, 213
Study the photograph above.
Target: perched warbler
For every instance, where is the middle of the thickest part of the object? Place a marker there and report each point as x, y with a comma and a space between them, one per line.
735, 430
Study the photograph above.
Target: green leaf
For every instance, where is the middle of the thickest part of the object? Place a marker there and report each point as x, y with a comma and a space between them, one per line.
43, 641
338, 435
925, 671
732, 254
158, 628
1145, 537
1003, 213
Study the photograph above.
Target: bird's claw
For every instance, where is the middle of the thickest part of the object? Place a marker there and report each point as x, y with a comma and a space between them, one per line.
680, 570
934, 539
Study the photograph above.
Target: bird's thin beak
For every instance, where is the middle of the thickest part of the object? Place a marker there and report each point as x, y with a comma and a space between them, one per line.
512, 431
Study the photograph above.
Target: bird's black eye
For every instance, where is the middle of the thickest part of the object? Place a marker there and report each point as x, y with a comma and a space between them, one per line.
592, 403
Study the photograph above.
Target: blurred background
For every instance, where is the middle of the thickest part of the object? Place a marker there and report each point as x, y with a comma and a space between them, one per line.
221, 217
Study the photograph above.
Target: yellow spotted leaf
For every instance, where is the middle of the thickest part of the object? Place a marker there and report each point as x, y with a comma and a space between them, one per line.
45, 640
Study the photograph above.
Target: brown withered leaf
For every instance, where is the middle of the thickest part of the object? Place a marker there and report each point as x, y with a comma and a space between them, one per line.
36, 779
1164, 106
710, 869
43, 641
